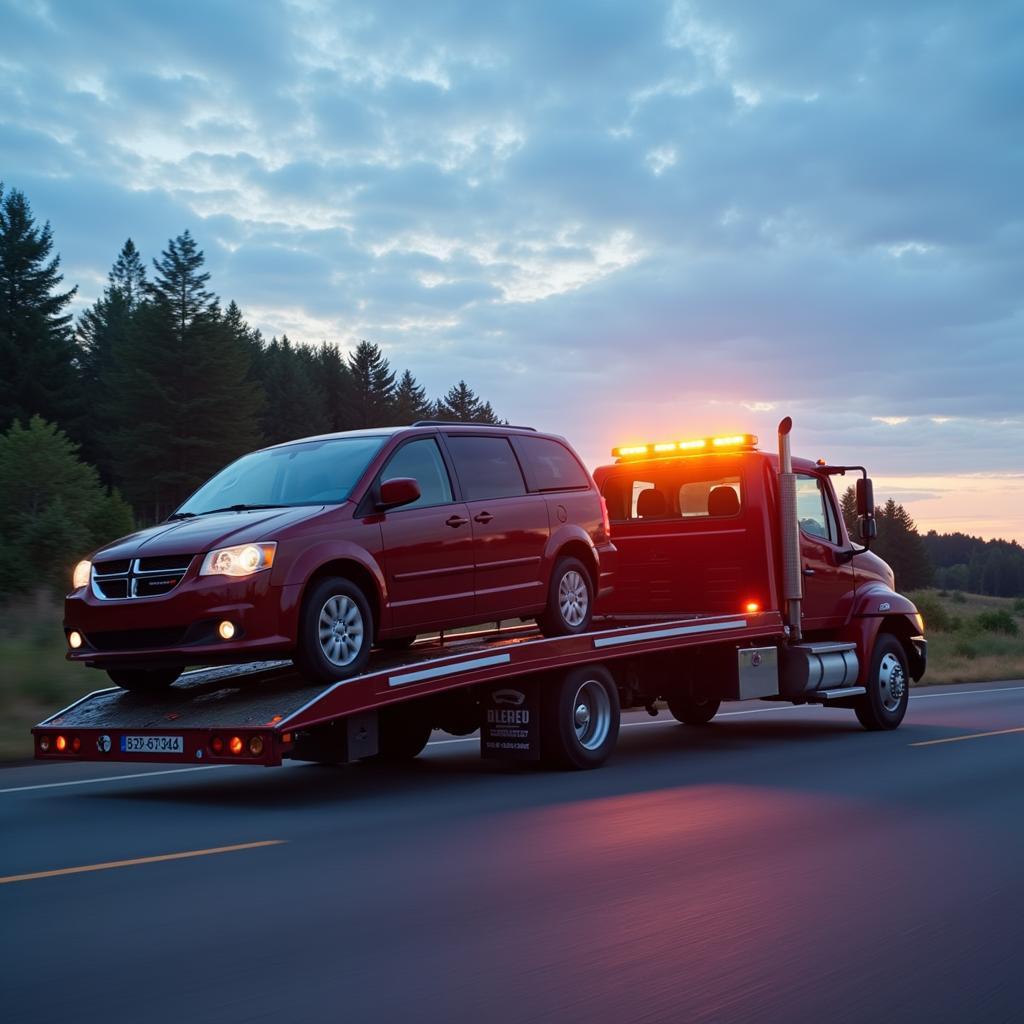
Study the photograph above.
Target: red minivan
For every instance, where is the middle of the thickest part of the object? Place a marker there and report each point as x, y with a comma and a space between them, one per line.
320, 548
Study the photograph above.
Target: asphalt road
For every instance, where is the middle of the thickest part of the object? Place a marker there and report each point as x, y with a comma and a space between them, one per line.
778, 865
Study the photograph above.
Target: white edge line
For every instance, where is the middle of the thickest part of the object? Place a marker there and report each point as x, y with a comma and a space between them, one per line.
658, 634
445, 670
118, 778
476, 739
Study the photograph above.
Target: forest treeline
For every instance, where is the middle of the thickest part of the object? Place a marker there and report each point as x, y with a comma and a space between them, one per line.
161, 384
117, 416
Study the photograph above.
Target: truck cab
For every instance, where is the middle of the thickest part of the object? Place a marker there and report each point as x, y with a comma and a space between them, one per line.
698, 529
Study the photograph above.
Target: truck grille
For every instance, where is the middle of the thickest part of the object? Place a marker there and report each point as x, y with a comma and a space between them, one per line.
138, 577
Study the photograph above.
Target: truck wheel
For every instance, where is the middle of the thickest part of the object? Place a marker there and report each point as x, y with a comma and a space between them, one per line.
888, 686
579, 718
143, 680
570, 604
402, 733
693, 710
335, 631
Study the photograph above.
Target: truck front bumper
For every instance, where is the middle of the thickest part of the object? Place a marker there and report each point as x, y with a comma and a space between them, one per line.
918, 657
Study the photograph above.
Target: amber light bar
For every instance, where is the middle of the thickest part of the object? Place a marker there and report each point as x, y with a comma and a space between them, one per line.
656, 448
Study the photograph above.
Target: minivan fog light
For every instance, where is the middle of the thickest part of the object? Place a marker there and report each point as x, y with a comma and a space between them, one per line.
74, 639
226, 630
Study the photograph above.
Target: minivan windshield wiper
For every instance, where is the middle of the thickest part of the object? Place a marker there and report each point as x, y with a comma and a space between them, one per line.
236, 508
181, 515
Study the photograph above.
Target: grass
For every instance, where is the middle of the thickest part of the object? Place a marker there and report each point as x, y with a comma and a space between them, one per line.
971, 638
968, 641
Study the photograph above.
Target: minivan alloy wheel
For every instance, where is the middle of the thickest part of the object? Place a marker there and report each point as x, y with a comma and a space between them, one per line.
573, 598
341, 630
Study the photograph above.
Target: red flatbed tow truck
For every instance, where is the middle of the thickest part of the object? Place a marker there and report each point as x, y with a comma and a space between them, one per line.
558, 700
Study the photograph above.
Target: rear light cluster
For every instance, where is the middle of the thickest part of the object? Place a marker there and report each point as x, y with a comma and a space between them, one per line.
237, 746
60, 744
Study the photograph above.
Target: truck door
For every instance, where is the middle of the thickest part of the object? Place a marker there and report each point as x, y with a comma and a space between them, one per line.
829, 581
428, 545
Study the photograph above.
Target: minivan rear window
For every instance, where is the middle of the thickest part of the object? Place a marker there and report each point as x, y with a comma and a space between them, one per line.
549, 465
487, 467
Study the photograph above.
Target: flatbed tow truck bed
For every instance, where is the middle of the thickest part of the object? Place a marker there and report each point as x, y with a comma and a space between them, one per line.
260, 713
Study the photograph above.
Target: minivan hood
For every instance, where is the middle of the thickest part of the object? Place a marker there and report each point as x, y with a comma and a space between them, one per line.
204, 533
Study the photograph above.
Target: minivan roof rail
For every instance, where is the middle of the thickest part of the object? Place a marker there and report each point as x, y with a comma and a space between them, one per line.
469, 423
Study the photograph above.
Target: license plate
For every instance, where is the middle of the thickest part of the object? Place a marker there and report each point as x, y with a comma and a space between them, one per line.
152, 744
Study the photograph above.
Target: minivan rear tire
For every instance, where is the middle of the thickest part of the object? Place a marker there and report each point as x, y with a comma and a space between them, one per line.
570, 606
335, 631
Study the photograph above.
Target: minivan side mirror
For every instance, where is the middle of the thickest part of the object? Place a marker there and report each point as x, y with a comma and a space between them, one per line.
867, 528
400, 490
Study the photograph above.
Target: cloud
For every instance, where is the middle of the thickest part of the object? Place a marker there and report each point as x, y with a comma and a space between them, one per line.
607, 216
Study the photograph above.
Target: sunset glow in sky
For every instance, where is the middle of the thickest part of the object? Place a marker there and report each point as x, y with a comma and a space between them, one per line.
620, 221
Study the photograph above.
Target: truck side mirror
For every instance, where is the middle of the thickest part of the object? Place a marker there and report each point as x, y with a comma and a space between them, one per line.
867, 528
401, 490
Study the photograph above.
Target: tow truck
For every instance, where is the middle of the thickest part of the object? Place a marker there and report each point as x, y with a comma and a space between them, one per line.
709, 607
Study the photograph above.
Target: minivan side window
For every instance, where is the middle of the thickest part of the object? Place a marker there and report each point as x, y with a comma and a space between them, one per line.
550, 466
813, 510
421, 459
487, 467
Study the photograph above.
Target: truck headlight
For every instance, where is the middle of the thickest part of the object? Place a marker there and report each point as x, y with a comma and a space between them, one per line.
80, 577
242, 560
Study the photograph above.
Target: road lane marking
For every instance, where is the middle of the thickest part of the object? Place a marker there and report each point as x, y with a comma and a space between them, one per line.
140, 860
118, 778
968, 736
966, 693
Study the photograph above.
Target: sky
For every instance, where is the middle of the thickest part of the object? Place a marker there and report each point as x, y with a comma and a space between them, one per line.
618, 221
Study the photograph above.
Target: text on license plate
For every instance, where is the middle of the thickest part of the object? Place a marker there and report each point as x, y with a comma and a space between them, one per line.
152, 744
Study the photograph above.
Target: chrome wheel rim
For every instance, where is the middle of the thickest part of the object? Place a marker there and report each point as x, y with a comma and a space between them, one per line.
573, 599
892, 682
341, 630
591, 715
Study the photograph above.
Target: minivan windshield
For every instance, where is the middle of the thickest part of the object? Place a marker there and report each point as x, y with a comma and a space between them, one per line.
306, 473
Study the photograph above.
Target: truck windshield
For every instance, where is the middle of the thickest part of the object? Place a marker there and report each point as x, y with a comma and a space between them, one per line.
307, 473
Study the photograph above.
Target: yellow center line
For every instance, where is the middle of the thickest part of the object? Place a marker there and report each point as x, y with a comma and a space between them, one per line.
969, 736
139, 860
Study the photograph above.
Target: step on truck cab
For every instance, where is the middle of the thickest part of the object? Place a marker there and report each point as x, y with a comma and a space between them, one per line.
736, 579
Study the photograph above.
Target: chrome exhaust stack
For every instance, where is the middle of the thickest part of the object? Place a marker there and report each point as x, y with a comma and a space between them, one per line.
792, 576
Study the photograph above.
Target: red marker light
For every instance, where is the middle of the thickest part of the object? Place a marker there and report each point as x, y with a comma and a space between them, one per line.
76, 745
217, 745
751, 607
236, 746
61, 744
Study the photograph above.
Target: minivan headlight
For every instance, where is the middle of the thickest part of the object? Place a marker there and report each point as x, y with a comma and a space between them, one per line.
242, 560
80, 577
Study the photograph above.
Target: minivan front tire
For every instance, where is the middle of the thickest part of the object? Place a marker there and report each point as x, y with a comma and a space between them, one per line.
335, 631
570, 604
143, 680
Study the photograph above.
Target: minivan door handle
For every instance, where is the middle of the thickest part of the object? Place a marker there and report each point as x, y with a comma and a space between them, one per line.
455, 522
808, 572
482, 517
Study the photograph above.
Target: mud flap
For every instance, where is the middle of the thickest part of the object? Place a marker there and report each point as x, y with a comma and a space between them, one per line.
510, 722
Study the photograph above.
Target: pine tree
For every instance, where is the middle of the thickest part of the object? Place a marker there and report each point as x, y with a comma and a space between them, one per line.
295, 405
460, 403
411, 402
372, 389
900, 545
331, 375
848, 507
180, 387
37, 352
106, 322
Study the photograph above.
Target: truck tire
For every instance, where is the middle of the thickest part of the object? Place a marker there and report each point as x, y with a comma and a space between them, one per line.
143, 680
693, 710
579, 718
570, 604
402, 733
888, 686
335, 631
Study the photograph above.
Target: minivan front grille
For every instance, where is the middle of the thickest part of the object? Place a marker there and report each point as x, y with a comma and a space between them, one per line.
138, 577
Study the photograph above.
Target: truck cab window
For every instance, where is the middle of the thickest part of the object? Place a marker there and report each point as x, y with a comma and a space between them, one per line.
672, 495
813, 509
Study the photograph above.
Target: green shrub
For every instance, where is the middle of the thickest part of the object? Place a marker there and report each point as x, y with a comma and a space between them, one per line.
936, 618
997, 622
1018, 606
966, 648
